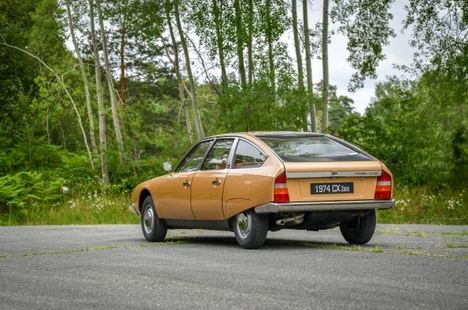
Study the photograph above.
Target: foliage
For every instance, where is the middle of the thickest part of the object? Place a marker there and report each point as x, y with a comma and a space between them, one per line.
22, 193
418, 127
366, 23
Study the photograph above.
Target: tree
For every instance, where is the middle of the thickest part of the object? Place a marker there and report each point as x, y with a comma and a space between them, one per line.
100, 99
297, 46
180, 81
84, 77
240, 42
308, 55
110, 85
217, 9
193, 94
366, 25
325, 82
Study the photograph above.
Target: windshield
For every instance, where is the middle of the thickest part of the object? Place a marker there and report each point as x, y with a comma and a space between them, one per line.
311, 148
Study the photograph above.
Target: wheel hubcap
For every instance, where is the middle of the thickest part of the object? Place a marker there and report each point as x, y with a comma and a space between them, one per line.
244, 225
148, 219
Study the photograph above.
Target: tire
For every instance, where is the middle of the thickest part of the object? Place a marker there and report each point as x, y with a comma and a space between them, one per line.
250, 229
153, 228
359, 230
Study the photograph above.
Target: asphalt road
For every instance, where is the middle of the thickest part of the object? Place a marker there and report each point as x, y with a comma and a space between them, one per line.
112, 267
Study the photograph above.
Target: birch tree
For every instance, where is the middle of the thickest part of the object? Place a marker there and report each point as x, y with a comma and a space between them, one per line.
193, 94
313, 126
100, 99
325, 81
217, 9
180, 81
240, 42
110, 85
89, 108
297, 46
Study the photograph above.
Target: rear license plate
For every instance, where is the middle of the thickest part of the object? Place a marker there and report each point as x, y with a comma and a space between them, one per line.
332, 188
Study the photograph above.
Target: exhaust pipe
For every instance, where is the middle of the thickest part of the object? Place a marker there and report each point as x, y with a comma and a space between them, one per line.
291, 220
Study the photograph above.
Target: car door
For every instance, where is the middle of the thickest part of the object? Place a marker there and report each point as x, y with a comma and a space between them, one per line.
174, 191
208, 183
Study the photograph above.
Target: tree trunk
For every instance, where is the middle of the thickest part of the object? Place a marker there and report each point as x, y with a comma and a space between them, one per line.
250, 34
271, 61
300, 71
325, 81
240, 42
100, 99
89, 107
123, 83
193, 95
188, 121
310, 91
110, 85
218, 20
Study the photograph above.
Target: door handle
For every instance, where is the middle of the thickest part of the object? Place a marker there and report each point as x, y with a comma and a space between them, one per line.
216, 182
186, 183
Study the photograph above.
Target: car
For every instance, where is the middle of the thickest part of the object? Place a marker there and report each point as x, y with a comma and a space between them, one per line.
255, 182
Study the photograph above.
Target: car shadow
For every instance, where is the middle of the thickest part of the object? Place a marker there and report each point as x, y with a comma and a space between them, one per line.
275, 243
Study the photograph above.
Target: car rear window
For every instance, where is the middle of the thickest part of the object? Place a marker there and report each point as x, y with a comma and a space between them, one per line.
311, 149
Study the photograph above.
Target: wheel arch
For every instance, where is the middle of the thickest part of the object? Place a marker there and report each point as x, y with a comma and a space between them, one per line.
143, 195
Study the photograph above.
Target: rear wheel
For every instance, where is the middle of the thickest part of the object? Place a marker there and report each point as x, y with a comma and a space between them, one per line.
359, 230
250, 229
153, 228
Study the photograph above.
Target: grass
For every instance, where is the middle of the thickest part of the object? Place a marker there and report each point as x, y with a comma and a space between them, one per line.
456, 233
421, 205
90, 209
415, 205
452, 245
343, 247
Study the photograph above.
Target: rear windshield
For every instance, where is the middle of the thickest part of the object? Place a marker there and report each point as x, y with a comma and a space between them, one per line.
311, 148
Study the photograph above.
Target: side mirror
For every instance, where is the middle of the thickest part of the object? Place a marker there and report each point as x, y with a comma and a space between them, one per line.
167, 166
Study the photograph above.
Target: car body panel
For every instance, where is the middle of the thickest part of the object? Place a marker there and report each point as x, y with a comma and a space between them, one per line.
207, 194
173, 196
300, 176
254, 185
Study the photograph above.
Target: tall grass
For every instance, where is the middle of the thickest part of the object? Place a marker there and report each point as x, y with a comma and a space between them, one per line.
93, 208
422, 205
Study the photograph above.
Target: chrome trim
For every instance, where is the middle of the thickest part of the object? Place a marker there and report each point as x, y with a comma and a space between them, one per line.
132, 207
332, 174
273, 207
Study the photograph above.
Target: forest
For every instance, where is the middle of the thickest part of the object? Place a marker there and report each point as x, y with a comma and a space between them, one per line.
95, 95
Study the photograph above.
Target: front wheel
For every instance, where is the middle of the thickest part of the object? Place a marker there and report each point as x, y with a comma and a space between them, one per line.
153, 228
359, 230
250, 229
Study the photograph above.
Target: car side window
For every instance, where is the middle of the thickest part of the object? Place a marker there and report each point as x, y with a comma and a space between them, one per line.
248, 156
193, 161
217, 159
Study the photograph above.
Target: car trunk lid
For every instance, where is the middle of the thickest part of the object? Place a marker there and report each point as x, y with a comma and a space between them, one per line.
325, 181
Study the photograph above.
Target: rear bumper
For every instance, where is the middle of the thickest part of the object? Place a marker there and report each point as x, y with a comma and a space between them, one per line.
325, 206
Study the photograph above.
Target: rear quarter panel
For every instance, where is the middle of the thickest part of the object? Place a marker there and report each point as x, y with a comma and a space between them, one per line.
246, 188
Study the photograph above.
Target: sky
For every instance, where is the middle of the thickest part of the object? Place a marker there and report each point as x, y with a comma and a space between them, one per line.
397, 52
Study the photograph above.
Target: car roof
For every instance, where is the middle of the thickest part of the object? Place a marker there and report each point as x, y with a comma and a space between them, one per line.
267, 133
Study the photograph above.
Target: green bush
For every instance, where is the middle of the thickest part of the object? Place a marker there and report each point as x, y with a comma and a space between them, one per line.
25, 192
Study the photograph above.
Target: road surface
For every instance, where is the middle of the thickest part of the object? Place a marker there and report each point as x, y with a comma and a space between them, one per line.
112, 267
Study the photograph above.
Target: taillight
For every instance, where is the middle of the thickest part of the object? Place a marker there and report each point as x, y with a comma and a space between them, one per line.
281, 193
383, 189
